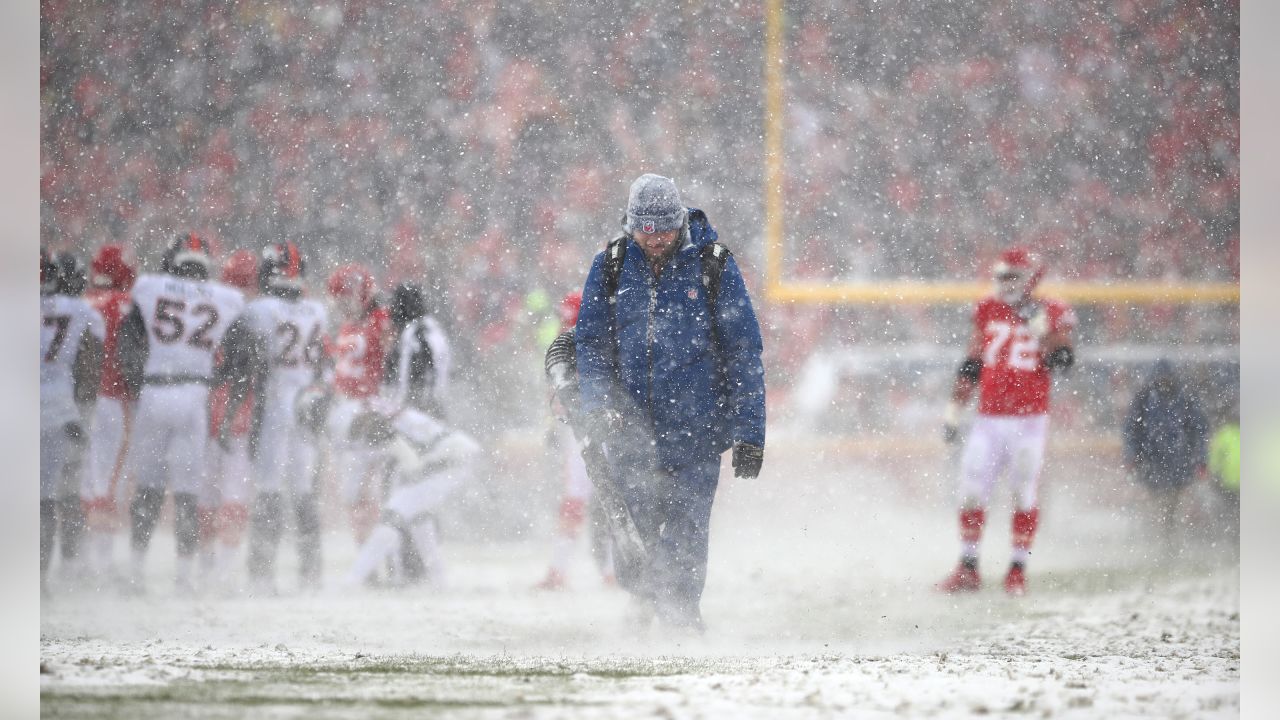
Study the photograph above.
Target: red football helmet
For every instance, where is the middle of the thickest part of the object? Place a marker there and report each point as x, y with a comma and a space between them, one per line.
111, 268
569, 308
241, 270
1017, 273
352, 280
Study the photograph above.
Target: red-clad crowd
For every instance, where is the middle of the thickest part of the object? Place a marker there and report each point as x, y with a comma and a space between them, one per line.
483, 147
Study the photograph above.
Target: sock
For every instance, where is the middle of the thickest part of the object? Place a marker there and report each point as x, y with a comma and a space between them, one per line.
971, 522
144, 513
307, 515
266, 523
1025, 523
71, 524
186, 524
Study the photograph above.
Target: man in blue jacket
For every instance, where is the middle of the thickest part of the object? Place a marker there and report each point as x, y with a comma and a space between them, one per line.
672, 380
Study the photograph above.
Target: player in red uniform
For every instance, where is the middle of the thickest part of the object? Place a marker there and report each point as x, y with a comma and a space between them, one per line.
111, 276
358, 351
576, 508
1018, 341
224, 504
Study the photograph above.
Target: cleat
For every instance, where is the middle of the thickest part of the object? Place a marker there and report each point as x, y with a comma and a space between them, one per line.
963, 579
1015, 582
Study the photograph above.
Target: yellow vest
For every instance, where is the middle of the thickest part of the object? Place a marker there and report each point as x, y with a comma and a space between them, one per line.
1224, 456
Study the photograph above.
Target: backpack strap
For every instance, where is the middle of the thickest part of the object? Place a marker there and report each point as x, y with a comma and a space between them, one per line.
714, 257
614, 253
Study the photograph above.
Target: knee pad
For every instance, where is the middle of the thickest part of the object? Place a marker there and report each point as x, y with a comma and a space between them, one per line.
186, 523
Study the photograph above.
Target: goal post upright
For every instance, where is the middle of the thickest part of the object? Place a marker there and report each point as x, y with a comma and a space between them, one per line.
774, 146
779, 289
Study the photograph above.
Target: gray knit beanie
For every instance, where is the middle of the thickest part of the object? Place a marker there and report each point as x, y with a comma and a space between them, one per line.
654, 205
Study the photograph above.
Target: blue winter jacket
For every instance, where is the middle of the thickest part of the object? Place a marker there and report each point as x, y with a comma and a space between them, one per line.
691, 396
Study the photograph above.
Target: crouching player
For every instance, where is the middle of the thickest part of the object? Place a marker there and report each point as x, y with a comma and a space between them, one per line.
428, 463
1017, 341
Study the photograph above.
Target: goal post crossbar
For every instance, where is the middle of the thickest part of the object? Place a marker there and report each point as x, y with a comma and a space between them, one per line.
779, 289
1140, 293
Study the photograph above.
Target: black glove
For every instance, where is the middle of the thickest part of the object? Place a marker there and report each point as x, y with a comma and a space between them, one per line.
747, 459
74, 431
950, 433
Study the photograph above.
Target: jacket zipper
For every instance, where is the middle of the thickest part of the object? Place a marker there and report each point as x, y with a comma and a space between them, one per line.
650, 333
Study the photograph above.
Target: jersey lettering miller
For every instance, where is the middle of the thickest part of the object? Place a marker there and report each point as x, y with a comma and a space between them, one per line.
1015, 379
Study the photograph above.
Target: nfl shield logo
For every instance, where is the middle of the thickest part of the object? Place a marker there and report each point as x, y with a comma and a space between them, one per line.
693, 294
648, 227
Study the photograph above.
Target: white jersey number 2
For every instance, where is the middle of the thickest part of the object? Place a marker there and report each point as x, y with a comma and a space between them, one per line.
1024, 347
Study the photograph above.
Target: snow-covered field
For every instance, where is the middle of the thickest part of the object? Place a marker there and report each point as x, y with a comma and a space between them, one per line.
818, 604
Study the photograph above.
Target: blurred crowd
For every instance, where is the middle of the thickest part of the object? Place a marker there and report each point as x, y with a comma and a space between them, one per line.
484, 148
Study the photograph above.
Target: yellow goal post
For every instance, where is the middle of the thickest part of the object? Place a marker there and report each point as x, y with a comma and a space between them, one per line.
779, 289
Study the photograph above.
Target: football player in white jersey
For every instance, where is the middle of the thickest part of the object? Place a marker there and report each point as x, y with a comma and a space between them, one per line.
429, 462
274, 349
417, 375
166, 347
71, 335
418, 365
